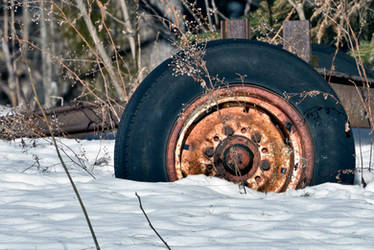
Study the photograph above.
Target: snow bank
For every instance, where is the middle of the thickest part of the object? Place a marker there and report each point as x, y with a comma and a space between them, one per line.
38, 209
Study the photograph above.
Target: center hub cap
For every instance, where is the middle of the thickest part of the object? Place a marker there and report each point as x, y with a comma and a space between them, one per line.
236, 158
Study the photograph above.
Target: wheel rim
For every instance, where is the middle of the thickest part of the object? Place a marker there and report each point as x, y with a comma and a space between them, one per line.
244, 134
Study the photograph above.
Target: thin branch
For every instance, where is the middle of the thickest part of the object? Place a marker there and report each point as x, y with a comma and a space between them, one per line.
211, 28
62, 161
149, 222
194, 15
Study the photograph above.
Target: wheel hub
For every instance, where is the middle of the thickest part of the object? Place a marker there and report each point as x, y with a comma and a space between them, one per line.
246, 135
236, 158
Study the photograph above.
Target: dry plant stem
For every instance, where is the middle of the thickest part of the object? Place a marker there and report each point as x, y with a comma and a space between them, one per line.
149, 222
102, 11
371, 150
361, 158
361, 71
194, 15
62, 161
74, 74
80, 163
176, 25
216, 21
60, 61
360, 67
107, 62
281, 27
211, 28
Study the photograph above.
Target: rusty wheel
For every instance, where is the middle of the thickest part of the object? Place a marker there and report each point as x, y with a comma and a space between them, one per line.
244, 130
246, 135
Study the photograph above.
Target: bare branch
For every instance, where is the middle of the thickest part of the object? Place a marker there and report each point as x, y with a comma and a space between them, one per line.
62, 161
149, 222
299, 7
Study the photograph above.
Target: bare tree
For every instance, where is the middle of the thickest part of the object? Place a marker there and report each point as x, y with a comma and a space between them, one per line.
101, 50
11, 88
128, 26
299, 7
48, 88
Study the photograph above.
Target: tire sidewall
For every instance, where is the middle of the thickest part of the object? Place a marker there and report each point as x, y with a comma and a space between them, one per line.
140, 150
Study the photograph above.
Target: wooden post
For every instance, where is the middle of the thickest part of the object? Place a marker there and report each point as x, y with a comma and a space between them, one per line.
235, 29
296, 35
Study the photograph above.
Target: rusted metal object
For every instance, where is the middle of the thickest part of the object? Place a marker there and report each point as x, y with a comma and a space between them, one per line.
246, 135
235, 29
349, 98
68, 121
296, 35
346, 79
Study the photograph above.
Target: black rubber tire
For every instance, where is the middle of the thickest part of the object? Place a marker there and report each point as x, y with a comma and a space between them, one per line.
342, 63
142, 137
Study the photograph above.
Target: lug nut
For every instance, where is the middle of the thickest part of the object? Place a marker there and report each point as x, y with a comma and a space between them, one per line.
209, 151
265, 165
256, 137
228, 131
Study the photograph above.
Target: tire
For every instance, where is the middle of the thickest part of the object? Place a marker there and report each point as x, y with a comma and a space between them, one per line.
141, 147
342, 62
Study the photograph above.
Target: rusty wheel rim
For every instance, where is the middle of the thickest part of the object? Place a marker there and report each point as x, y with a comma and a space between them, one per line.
244, 134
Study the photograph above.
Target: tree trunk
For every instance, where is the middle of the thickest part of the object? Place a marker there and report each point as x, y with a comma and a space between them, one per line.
299, 7
99, 46
8, 60
128, 27
48, 88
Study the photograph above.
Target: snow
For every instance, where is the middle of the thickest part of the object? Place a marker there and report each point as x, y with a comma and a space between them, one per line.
38, 209
4, 110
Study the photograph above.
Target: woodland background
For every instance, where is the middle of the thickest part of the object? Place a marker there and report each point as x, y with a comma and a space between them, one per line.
100, 50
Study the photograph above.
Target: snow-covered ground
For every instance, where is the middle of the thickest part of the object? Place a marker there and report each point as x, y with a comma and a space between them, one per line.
38, 209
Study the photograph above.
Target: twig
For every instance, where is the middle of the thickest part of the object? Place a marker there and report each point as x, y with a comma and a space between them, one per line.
149, 222
362, 160
62, 161
186, 5
281, 28
211, 27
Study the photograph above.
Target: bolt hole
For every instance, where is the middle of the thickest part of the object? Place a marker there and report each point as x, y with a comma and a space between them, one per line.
258, 179
264, 150
243, 130
184, 174
216, 138
209, 167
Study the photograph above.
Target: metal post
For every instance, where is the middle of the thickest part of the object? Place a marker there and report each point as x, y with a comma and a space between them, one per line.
296, 35
235, 29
